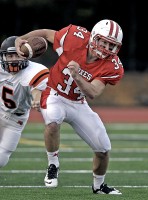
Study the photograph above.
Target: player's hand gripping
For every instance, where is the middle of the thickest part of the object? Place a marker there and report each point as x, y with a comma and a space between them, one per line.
18, 44
36, 105
74, 69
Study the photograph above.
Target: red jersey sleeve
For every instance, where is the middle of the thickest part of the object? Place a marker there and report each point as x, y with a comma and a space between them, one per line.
112, 71
60, 37
70, 38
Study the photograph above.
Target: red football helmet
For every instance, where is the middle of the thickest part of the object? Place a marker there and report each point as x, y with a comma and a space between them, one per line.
106, 39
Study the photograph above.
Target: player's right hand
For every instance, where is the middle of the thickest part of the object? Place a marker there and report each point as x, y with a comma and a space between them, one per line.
74, 69
18, 43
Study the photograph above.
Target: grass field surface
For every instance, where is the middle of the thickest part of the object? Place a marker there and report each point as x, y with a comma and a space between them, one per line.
22, 178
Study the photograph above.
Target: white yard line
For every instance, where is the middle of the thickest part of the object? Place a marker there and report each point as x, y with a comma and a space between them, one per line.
69, 150
78, 159
73, 186
127, 126
73, 171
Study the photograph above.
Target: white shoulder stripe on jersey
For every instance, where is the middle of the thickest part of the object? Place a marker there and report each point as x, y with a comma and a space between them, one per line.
60, 49
62, 39
110, 76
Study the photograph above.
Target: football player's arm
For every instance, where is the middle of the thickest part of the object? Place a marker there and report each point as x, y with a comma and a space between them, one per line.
36, 95
48, 34
90, 90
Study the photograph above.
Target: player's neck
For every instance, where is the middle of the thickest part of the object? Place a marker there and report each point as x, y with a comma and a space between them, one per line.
90, 57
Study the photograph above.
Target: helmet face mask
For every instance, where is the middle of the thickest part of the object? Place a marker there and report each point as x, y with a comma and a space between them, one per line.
10, 61
109, 33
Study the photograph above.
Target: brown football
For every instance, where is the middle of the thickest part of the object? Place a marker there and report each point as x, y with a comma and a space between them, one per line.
35, 47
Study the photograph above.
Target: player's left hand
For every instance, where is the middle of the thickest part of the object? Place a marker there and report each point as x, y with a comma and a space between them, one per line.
36, 105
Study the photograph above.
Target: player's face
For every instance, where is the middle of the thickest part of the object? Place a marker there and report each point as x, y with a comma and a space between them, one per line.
12, 57
105, 45
12, 62
102, 48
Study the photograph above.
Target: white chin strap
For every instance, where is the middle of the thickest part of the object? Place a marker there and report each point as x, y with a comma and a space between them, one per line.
100, 54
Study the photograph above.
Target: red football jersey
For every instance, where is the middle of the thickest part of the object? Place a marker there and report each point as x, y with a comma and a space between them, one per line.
71, 43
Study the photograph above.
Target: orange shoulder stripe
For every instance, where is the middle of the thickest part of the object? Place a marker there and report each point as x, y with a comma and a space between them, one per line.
39, 77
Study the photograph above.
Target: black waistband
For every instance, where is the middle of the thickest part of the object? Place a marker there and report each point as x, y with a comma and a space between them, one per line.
19, 114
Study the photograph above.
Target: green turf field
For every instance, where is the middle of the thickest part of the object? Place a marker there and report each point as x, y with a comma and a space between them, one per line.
22, 178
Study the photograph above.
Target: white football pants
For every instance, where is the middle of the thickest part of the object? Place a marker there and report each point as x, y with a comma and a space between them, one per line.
86, 123
11, 127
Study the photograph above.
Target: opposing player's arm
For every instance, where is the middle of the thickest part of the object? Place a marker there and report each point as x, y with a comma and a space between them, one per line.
36, 95
38, 83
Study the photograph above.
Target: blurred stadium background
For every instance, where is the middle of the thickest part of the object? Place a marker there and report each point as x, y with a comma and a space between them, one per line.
123, 108
24, 16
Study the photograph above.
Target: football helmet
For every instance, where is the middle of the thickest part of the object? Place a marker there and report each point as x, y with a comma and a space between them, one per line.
8, 47
110, 33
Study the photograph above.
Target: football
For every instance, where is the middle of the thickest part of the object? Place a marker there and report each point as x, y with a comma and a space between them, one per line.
35, 47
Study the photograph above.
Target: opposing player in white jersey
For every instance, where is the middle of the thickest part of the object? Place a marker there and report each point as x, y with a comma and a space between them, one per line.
87, 63
21, 83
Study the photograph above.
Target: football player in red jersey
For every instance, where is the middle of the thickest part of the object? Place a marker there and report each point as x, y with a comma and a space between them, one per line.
87, 62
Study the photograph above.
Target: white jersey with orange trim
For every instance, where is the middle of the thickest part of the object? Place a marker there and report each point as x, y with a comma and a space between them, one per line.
15, 89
